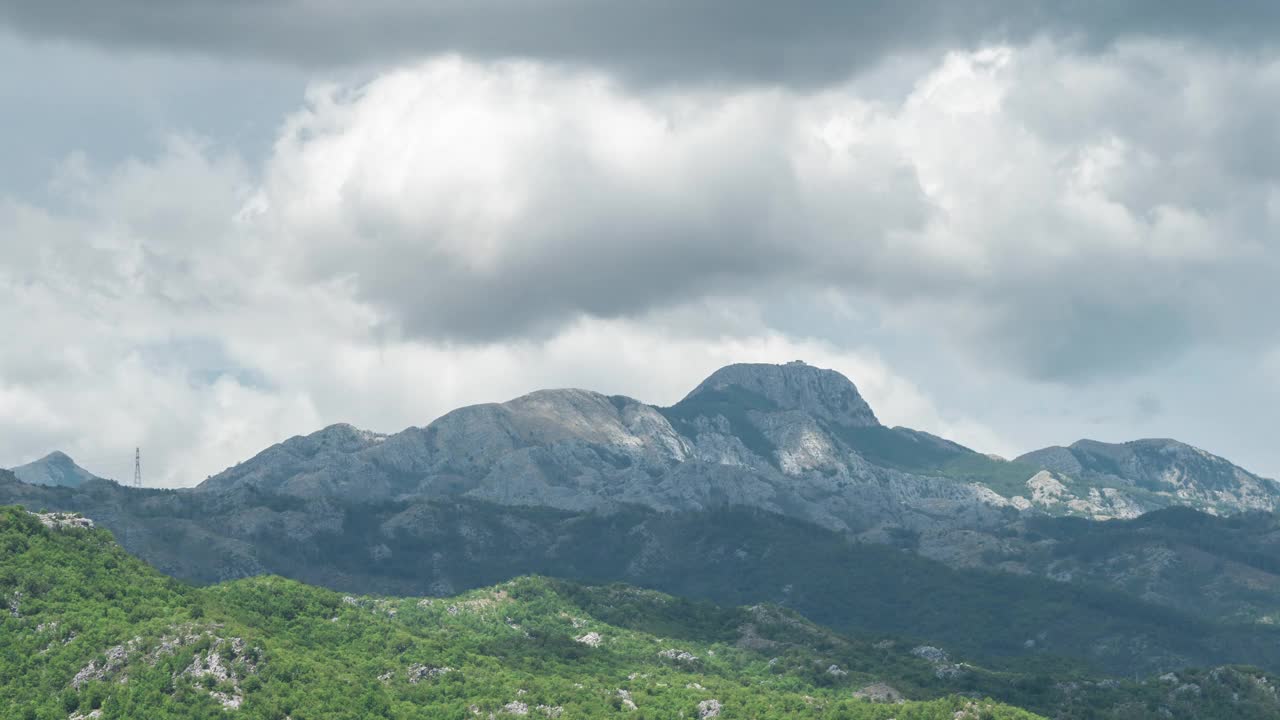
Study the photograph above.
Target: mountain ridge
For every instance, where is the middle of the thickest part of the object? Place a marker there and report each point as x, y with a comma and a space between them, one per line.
789, 438
1157, 466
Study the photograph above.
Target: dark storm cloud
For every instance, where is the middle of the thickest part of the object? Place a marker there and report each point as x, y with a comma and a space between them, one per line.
661, 41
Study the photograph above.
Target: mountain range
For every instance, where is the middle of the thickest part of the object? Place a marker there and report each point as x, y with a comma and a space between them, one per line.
771, 483
791, 439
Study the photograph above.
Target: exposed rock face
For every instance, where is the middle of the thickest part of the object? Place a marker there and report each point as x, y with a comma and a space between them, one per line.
1061, 495
56, 468
930, 653
1122, 480
680, 656
823, 394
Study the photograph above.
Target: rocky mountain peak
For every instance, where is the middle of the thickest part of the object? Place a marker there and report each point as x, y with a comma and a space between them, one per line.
56, 468
824, 394
345, 437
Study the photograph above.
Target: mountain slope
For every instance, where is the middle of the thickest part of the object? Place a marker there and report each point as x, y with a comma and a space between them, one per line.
91, 630
56, 468
791, 439
735, 556
1225, 568
269, 648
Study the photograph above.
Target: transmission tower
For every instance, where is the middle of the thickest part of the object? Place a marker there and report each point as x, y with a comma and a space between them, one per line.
137, 467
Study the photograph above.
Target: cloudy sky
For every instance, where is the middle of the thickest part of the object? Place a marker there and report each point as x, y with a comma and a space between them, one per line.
1013, 223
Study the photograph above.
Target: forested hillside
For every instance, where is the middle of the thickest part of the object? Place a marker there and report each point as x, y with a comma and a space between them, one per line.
734, 556
89, 629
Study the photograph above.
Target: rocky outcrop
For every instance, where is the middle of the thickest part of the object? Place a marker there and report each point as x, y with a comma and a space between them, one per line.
418, 672
64, 521
879, 693
226, 662
941, 662
679, 656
